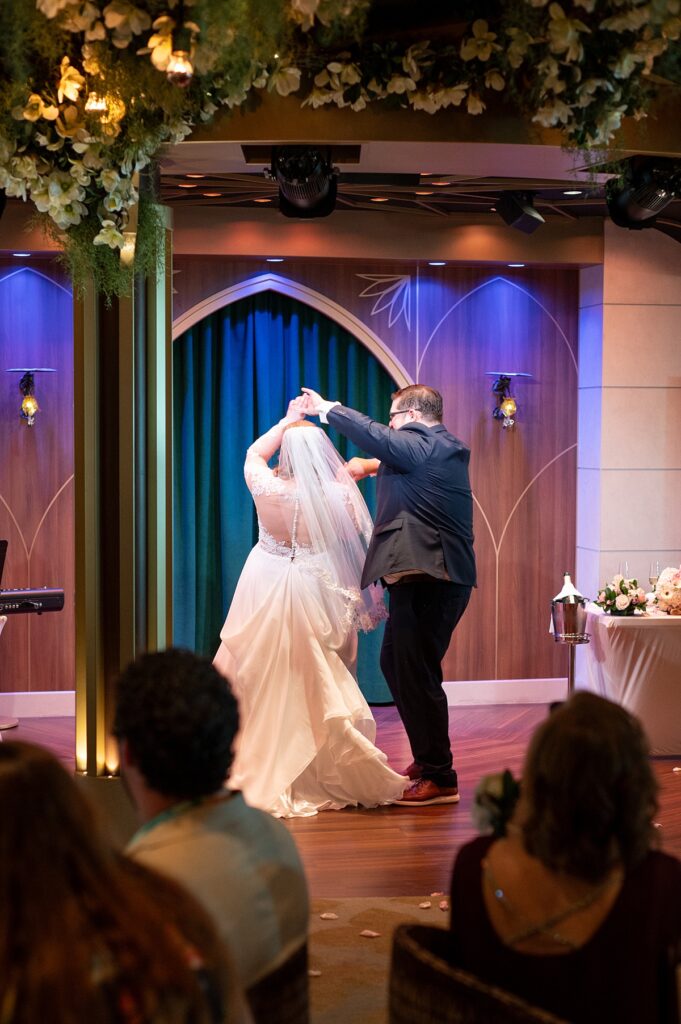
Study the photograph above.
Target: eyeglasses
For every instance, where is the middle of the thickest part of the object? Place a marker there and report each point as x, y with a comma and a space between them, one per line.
398, 412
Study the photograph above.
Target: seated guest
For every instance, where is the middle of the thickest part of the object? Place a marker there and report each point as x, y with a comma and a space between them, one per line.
86, 934
572, 909
176, 719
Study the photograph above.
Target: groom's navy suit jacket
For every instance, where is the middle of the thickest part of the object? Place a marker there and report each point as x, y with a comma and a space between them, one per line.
424, 509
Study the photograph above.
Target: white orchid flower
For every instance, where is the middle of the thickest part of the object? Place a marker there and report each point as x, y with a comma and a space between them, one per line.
495, 80
16, 188
68, 215
304, 12
284, 80
70, 83
564, 34
125, 20
426, 101
481, 44
317, 98
23, 167
553, 113
400, 84
109, 235
51, 8
452, 96
474, 104
627, 21
520, 44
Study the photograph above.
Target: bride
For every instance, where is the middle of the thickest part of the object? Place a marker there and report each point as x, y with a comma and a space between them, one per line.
289, 644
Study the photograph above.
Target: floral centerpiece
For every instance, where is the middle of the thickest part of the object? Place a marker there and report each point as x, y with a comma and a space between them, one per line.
621, 597
668, 591
494, 802
90, 90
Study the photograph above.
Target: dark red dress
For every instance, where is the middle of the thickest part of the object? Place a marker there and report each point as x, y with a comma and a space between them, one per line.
624, 974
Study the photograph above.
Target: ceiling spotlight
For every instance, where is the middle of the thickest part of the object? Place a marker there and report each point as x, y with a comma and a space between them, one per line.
517, 210
648, 185
437, 263
423, 192
274, 259
306, 180
515, 264
572, 192
379, 199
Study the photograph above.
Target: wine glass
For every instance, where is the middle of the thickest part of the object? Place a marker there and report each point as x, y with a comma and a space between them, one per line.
623, 569
654, 574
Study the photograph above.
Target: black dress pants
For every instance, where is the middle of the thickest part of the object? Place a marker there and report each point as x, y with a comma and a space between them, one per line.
422, 618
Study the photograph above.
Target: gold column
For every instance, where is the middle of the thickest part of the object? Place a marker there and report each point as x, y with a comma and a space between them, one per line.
123, 448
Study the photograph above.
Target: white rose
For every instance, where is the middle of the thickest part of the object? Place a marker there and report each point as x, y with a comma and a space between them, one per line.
622, 601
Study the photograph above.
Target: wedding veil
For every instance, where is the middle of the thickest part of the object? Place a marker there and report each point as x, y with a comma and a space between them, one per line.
336, 518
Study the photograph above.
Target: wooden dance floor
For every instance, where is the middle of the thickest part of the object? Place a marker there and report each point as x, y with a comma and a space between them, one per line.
400, 851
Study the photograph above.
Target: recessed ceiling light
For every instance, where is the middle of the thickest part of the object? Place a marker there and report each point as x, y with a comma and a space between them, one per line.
195, 175
262, 200
211, 195
492, 209
572, 192
275, 259
437, 263
423, 192
185, 184
21, 254
515, 264
379, 199
440, 183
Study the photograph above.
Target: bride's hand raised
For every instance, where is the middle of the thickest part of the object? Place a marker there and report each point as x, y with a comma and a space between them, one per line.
296, 408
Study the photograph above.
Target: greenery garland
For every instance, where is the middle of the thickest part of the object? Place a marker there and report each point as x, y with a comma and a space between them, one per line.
88, 97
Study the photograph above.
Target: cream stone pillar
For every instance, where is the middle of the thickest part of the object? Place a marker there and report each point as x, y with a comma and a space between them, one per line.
629, 454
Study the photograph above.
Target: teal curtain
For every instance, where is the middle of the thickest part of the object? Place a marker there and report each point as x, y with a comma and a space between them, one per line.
234, 374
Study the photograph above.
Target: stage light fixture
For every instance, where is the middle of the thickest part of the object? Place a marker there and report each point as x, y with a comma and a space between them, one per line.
306, 179
647, 186
517, 210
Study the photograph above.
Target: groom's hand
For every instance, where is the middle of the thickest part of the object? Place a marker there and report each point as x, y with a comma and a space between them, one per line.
316, 405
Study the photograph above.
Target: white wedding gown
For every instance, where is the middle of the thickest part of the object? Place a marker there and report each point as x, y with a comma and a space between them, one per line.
306, 736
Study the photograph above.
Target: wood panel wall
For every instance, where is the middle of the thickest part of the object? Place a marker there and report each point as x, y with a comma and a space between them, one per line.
36, 474
450, 327
447, 326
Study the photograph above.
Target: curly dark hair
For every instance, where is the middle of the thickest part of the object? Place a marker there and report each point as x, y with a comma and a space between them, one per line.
589, 791
423, 399
179, 718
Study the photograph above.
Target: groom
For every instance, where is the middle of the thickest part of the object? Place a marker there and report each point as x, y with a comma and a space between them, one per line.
422, 550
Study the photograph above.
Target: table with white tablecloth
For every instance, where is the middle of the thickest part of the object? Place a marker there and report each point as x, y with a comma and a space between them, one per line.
636, 661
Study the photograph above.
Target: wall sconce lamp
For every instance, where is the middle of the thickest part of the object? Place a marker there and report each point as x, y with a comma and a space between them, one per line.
506, 407
29, 403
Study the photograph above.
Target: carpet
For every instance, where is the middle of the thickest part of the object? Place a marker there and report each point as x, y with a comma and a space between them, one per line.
352, 985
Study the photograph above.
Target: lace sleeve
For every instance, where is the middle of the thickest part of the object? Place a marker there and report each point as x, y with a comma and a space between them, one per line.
259, 476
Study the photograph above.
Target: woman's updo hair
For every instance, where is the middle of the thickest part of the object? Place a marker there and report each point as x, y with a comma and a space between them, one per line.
589, 794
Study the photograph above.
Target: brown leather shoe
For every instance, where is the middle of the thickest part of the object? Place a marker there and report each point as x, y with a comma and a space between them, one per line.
413, 772
425, 792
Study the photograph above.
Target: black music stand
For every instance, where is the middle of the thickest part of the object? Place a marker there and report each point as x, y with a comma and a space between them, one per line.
5, 723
